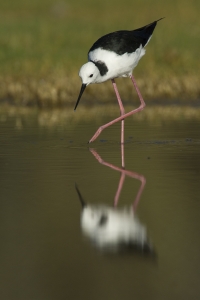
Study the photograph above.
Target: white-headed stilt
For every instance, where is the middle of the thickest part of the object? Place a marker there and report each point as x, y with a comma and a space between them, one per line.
116, 55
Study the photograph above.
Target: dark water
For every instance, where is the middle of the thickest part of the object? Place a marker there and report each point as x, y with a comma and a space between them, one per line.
43, 253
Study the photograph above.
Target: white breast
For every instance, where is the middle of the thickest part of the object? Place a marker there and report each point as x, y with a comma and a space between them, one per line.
119, 227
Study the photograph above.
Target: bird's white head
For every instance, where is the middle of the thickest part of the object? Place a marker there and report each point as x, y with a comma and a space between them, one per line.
88, 73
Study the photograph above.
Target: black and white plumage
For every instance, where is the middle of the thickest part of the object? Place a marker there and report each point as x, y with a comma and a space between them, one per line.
115, 55
113, 230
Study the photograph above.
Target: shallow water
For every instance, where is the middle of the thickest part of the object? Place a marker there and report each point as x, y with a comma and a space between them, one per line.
44, 254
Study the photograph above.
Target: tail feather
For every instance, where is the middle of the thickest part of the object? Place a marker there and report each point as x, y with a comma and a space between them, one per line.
146, 32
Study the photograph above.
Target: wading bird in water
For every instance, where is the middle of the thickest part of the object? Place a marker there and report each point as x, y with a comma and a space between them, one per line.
116, 55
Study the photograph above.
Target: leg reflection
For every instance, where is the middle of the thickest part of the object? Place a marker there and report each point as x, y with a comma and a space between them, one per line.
113, 229
124, 173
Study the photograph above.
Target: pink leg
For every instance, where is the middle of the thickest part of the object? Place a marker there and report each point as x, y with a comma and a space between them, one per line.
124, 173
123, 116
137, 199
120, 185
122, 111
122, 131
122, 155
122, 178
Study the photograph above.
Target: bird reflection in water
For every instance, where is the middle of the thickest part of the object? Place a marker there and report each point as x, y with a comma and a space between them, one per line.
113, 229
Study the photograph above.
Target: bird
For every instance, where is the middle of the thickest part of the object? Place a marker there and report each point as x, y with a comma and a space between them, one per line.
113, 230
115, 55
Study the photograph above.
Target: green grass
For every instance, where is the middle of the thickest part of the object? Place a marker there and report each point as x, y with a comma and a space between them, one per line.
44, 43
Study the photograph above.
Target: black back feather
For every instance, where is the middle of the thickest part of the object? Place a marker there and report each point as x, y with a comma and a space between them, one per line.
125, 41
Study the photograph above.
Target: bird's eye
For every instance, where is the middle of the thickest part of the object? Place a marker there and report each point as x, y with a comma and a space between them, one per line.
91, 76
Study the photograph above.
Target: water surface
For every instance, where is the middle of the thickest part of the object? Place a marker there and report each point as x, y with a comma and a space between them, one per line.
43, 253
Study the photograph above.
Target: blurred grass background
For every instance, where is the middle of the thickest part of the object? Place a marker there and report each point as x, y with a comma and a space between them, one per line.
43, 44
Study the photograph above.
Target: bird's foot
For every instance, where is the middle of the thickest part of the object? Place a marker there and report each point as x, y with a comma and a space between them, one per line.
97, 133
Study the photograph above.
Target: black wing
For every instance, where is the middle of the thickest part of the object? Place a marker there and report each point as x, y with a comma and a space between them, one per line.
125, 41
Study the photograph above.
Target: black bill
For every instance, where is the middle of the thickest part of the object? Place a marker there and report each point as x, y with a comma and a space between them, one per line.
80, 94
82, 201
